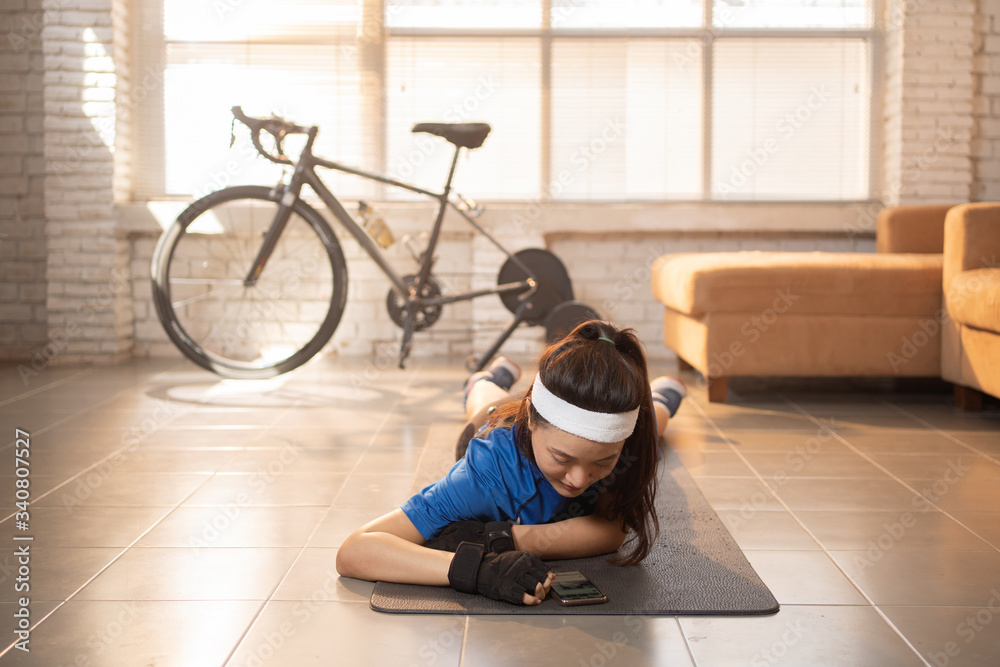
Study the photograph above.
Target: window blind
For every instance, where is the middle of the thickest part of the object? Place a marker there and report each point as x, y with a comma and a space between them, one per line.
595, 100
790, 119
626, 119
470, 79
301, 60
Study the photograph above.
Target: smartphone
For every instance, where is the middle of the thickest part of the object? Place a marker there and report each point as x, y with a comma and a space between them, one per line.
573, 588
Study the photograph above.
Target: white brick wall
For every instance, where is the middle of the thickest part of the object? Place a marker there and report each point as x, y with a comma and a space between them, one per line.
928, 100
986, 106
85, 101
23, 318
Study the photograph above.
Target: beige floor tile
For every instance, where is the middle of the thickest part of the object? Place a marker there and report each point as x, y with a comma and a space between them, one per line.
375, 490
964, 495
742, 405
844, 494
235, 526
817, 636
341, 521
263, 489
714, 464
804, 577
968, 466
57, 573
767, 530
952, 636
681, 440
737, 493
892, 422
837, 406
575, 640
919, 578
878, 531
328, 632
985, 524
60, 453
289, 458
386, 460
200, 461
812, 463
62, 527
954, 420
314, 577
909, 442
180, 573
126, 633
108, 487
765, 421
790, 444
987, 443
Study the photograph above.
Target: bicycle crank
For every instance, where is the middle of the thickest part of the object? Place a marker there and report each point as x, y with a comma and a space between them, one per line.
425, 315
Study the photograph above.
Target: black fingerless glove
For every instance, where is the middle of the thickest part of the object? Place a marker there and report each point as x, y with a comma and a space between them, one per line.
496, 536
507, 576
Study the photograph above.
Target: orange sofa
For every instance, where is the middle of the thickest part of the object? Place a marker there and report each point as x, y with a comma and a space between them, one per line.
970, 352
731, 314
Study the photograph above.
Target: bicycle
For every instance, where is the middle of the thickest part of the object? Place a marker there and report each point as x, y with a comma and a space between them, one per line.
251, 282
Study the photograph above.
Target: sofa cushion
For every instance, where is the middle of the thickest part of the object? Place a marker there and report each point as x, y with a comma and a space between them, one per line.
974, 299
807, 282
911, 229
972, 238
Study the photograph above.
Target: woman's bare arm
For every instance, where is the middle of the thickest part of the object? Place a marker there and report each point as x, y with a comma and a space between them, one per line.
578, 537
390, 549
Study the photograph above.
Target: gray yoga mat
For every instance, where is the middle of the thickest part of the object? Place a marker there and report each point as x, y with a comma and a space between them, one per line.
695, 567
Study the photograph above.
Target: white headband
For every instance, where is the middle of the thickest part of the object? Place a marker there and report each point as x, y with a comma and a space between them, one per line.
596, 426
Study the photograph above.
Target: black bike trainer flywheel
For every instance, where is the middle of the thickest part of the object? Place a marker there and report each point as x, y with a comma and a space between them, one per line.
565, 317
554, 286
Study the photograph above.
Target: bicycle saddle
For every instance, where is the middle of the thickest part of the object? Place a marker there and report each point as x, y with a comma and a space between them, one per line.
463, 135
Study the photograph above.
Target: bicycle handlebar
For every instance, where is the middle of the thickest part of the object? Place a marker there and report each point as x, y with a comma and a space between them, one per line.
276, 126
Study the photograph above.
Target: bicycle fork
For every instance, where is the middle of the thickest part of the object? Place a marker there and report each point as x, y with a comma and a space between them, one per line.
290, 194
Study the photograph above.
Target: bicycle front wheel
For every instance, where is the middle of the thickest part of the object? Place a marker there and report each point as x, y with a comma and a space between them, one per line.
229, 327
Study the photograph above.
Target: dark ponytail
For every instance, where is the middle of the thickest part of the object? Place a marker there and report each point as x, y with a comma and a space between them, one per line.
600, 368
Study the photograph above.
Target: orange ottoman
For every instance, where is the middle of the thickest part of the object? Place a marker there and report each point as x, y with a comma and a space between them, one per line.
731, 314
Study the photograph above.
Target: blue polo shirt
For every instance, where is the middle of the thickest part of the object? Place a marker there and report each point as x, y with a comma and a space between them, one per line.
494, 481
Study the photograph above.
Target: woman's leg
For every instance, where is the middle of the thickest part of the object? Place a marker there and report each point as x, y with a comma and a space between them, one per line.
662, 417
482, 394
668, 393
490, 385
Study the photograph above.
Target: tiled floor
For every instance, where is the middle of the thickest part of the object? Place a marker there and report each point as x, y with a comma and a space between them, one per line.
180, 519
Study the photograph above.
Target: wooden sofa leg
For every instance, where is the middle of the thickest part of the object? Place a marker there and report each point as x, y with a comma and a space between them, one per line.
717, 389
683, 365
967, 398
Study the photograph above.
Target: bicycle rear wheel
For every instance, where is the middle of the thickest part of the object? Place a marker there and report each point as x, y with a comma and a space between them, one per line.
248, 331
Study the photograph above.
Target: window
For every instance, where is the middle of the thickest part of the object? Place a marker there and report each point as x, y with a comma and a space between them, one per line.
590, 100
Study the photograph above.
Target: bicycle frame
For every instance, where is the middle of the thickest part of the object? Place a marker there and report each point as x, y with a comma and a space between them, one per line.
304, 173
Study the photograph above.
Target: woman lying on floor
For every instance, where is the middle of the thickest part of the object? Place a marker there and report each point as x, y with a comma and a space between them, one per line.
566, 471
